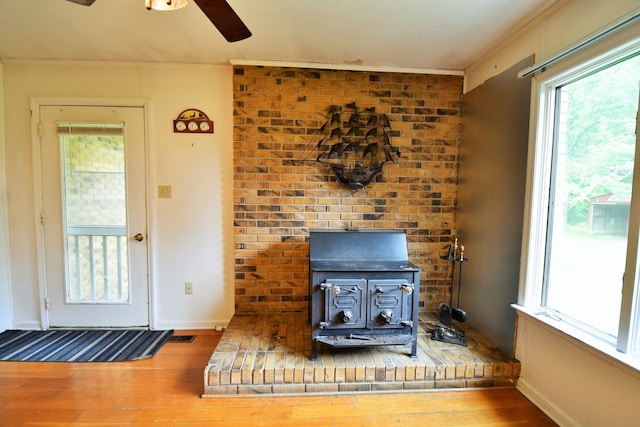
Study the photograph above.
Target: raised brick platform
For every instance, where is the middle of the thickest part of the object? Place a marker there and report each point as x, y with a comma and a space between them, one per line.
269, 354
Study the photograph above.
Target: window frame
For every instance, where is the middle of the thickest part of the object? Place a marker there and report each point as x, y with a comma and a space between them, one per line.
537, 200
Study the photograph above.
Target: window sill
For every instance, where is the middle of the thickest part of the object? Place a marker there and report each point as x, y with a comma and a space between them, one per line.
589, 343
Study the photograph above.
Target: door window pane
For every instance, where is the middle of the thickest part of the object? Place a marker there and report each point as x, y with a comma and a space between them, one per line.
590, 196
94, 212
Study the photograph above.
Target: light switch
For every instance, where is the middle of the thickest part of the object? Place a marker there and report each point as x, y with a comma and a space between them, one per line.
164, 191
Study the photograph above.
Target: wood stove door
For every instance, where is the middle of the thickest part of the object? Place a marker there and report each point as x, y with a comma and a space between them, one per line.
344, 303
390, 303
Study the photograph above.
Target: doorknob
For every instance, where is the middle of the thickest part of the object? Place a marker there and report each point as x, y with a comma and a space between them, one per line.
139, 237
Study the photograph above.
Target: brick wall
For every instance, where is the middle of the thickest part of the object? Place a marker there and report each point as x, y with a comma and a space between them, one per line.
279, 196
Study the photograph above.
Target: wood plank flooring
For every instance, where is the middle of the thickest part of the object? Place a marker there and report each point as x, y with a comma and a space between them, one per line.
166, 390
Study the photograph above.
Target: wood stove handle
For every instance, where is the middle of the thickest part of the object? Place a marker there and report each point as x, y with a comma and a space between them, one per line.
407, 288
335, 289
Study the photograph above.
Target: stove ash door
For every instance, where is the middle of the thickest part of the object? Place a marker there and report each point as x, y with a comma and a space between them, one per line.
344, 303
390, 303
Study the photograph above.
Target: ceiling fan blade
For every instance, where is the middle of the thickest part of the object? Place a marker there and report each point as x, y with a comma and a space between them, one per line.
225, 19
82, 2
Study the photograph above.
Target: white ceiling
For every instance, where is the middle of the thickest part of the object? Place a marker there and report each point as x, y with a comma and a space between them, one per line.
402, 34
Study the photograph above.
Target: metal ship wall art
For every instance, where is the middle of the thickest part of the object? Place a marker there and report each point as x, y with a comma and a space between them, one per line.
355, 145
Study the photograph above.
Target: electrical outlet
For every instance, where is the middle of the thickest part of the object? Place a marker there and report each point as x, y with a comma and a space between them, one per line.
188, 288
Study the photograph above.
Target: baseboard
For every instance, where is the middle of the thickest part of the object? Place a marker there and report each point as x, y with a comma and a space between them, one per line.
27, 326
182, 325
176, 325
549, 408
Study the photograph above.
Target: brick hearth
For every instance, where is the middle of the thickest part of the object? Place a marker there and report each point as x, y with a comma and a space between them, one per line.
269, 354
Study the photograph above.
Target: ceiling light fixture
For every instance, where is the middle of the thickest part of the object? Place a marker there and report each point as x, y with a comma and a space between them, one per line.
165, 4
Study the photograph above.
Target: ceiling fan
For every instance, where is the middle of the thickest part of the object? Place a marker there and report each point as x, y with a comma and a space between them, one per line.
219, 13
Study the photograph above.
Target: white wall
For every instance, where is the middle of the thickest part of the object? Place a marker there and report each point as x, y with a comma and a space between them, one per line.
561, 26
571, 383
5, 276
575, 385
192, 233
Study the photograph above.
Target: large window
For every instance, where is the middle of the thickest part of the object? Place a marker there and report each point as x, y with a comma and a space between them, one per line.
592, 175
581, 268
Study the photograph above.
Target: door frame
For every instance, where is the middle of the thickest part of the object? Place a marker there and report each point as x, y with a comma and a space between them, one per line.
36, 158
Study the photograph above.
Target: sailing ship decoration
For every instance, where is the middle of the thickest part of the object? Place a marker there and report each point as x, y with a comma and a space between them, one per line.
355, 145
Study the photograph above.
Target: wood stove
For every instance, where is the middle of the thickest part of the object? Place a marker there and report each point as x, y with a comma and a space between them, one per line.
363, 290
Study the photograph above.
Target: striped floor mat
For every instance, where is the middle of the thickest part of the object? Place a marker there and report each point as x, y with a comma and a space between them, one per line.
94, 345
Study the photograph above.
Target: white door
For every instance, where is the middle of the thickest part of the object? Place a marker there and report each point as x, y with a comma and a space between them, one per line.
94, 216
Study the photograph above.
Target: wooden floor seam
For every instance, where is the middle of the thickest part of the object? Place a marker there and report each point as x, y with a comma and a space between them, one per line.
268, 353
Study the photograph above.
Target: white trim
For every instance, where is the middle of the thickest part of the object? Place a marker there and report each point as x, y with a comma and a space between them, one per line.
627, 334
28, 325
38, 102
6, 289
38, 209
346, 67
106, 64
90, 102
151, 211
181, 325
536, 203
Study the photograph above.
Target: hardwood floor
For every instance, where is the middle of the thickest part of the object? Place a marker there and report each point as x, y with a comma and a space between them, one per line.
166, 390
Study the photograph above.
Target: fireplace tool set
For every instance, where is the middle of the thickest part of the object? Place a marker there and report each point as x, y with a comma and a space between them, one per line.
444, 331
